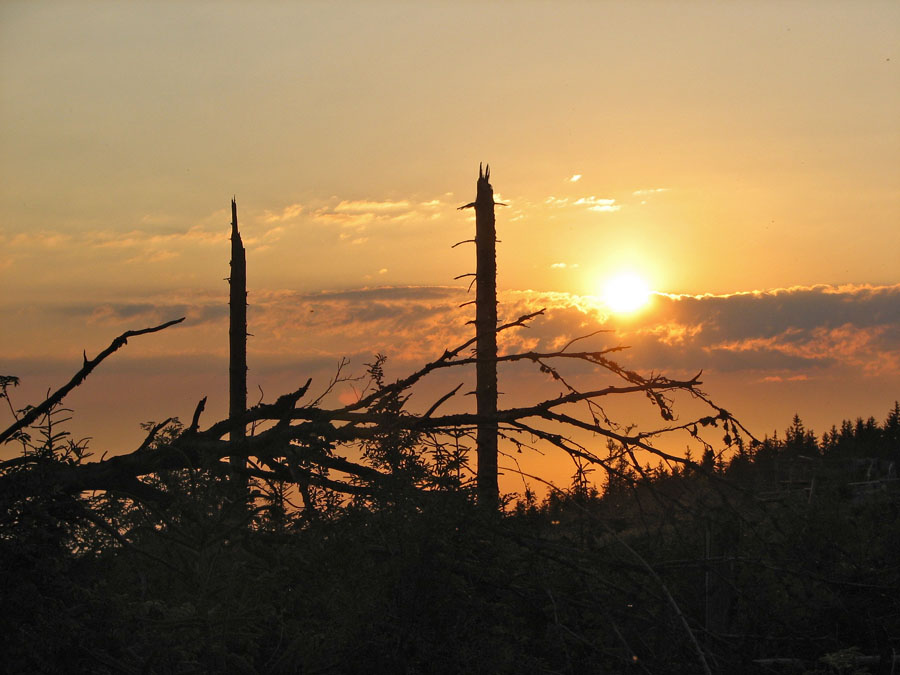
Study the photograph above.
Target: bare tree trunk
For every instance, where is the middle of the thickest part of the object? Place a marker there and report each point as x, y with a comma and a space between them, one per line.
237, 363
486, 339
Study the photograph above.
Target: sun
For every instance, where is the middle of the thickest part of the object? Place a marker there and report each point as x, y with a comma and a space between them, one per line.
626, 293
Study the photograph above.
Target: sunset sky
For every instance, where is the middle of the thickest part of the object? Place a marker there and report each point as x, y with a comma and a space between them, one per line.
742, 158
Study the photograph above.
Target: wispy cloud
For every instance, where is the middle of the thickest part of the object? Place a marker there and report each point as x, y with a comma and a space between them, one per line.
198, 309
288, 213
575, 178
143, 238
363, 206
154, 256
779, 378
556, 201
592, 203
351, 238
361, 214
39, 239
788, 329
782, 332
598, 204
772, 343
781, 335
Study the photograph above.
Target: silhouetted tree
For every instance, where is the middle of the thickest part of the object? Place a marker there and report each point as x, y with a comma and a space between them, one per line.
891, 431
237, 331
486, 338
799, 441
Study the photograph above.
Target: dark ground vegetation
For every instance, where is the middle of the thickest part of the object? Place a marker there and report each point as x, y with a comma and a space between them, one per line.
782, 558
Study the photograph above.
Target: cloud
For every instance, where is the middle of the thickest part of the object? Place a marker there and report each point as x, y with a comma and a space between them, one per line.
562, 266
116, 239
149, 311
767, 337
785, 333
594, 201
575, 178
363, 206
289, 212
789, 329
819, 342
40, 239
154, 256
361, 214
404, 322
778, 378
556, 201
159, 238
598, 204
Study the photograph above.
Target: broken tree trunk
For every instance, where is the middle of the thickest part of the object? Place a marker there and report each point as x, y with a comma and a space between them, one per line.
237, 333
486, 339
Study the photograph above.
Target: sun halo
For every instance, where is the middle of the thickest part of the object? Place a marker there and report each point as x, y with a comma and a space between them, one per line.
625, 293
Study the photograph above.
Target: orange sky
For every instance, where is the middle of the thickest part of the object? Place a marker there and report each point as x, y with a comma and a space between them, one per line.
744, 158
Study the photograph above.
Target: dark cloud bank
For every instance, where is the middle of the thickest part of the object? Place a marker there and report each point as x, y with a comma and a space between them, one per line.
783, 331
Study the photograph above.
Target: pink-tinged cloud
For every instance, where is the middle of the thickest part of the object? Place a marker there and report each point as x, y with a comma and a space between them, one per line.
822, 338
786, 334
789, 329
779, 378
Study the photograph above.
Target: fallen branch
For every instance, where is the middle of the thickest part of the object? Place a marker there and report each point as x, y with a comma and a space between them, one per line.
34, 413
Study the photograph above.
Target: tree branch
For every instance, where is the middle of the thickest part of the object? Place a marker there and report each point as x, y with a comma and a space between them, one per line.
89, 365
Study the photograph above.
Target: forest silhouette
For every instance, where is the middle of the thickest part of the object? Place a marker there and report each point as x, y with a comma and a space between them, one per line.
296, 537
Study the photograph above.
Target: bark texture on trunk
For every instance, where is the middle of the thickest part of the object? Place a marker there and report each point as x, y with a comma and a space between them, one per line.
486, 339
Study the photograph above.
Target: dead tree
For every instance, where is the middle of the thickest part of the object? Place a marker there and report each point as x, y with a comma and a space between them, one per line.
300, 442
486, 338
237, 333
